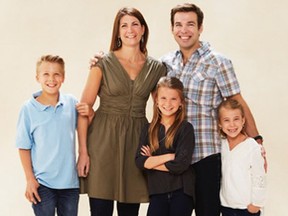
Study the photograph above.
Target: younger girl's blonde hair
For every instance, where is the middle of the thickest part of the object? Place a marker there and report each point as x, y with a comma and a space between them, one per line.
172, 83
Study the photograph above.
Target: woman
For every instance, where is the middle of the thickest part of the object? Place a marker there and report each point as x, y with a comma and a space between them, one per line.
123, 80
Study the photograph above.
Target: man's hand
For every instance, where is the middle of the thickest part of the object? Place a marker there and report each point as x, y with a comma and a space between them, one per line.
93, 61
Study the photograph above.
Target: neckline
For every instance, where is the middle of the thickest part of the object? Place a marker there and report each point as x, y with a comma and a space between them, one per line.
124, 70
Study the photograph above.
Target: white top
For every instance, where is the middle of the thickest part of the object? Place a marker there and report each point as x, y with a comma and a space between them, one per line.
243, 175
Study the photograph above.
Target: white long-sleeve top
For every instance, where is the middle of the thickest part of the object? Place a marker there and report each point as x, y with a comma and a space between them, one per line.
243, 175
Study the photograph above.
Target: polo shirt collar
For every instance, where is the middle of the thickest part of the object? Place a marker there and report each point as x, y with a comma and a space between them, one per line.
42, 107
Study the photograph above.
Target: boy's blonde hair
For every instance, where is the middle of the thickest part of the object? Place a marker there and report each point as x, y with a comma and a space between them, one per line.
51, 59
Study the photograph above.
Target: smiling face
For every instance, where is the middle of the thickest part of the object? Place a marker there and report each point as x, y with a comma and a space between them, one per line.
130, 30
231, 121
50, 76
169, 101
186, 30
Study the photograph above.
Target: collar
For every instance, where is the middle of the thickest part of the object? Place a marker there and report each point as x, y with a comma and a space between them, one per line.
43, 107
204, 47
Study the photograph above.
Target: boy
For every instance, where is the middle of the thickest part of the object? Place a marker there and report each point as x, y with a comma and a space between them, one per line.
46, 142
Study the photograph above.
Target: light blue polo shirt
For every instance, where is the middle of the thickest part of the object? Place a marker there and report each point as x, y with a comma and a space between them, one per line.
49, 132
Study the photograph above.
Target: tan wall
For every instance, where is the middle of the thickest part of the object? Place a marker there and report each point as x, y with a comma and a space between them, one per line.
252, 33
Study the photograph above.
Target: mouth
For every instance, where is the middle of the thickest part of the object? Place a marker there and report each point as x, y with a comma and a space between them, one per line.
233, 130
168, 109
185, 38
131, 36
51, 85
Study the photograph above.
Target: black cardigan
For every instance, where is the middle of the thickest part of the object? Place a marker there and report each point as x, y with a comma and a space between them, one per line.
181, 174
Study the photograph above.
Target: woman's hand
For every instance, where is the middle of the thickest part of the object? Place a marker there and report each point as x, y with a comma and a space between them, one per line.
83, 165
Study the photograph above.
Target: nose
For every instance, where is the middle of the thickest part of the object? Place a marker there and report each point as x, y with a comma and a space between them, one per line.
167, 103
51, 78
183, 29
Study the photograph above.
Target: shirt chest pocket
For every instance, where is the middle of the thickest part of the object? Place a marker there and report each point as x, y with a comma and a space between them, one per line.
201, 84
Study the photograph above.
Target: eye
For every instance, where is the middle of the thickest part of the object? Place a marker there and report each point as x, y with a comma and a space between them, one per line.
177, 25
191, 24
237, 119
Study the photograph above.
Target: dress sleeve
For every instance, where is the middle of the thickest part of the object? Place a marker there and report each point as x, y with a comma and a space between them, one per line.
184, 150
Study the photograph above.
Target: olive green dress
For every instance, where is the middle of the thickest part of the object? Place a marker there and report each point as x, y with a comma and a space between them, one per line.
114, 133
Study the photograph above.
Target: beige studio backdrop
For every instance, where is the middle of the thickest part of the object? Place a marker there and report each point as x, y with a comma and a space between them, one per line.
252, 33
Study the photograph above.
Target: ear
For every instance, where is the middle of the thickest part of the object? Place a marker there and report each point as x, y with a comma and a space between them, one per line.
220, 126
143, 30
201, 29
156, 102
243, 121
37, 78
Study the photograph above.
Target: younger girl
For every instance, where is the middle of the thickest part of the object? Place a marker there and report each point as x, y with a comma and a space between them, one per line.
165, 152
243, 185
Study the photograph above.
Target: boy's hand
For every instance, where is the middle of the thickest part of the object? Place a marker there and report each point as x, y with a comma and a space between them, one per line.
83, 165
32, 191
95, 58
84, 109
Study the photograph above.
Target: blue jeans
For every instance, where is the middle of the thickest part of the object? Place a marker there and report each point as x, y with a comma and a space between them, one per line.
65, 201
237, 212
175, 203
207, 188
102, 207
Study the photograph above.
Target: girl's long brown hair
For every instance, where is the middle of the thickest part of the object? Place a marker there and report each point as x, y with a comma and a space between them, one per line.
173, 83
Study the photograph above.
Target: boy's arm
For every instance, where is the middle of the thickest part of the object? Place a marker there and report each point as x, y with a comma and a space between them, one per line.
32, 184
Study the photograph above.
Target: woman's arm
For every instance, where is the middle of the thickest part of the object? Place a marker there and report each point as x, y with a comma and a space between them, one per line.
89, 96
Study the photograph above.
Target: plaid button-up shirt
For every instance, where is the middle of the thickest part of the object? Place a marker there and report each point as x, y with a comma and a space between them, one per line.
208, 78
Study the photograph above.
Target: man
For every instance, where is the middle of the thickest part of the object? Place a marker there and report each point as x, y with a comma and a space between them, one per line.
208, 79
